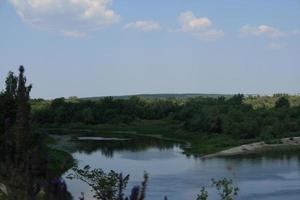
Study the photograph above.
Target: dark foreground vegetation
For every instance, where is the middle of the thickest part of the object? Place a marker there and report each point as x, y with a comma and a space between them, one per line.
111, 186
30, 169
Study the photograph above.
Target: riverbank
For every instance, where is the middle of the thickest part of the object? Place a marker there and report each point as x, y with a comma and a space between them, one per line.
193, 143
257, 147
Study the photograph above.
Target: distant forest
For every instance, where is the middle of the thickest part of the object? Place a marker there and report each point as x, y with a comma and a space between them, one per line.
241, 117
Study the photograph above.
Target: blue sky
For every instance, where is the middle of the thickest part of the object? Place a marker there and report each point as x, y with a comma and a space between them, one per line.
117, 47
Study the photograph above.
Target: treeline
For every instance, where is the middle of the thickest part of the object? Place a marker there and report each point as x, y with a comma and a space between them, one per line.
239, 120
258, 101
201, 115
106, 110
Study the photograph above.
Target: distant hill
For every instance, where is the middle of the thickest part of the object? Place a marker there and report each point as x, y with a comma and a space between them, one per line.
161, 96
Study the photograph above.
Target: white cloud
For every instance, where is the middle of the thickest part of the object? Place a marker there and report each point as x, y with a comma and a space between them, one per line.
200, 27
189, 22
275, 36
73, 18
145, 26
262, 30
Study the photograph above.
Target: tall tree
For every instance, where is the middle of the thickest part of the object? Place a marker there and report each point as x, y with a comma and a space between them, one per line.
8, 109
22, 127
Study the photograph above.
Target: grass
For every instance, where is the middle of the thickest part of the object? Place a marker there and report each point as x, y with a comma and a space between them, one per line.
59, 159
59, 162
210, 145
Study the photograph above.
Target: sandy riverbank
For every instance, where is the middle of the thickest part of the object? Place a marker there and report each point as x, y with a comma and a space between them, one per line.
256, 147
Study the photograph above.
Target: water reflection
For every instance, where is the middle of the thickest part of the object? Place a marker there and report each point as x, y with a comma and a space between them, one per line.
260, 177
109, 147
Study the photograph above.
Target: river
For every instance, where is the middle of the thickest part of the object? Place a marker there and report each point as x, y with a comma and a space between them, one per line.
180, 177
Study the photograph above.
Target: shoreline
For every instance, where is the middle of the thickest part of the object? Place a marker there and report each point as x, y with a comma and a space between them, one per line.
256, 147
251, 148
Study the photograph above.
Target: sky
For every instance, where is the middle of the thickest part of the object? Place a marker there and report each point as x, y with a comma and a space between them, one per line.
90, 48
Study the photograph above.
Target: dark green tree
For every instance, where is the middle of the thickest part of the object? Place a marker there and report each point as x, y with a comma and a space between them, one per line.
282, 102
236, 99
22, 127
25, 161
8, 109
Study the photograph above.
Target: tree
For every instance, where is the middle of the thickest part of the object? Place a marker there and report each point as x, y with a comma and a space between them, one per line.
105, 186
109, 186
11, 85
282, 102
226, 189
203, 194
22, 127
216, 126
8, 109
25, 161
236, 99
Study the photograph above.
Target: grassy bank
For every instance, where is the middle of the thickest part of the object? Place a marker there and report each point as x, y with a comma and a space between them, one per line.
192, 142
59, 162
59, 159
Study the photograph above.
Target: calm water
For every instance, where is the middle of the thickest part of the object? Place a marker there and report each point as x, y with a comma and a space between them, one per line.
267, 177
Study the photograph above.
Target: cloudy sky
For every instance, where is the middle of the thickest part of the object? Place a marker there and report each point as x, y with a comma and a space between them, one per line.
116, 47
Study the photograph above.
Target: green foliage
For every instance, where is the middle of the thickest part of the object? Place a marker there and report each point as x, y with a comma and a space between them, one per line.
267, 137
282, 102
236, 116
25, 160
241, 121
236, 99
203, 194
105, 186
226, 189
109, 186
103, 111
270, 101
58, 162
15, 134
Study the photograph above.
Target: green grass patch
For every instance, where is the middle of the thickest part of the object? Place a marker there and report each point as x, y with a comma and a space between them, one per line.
59, 162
